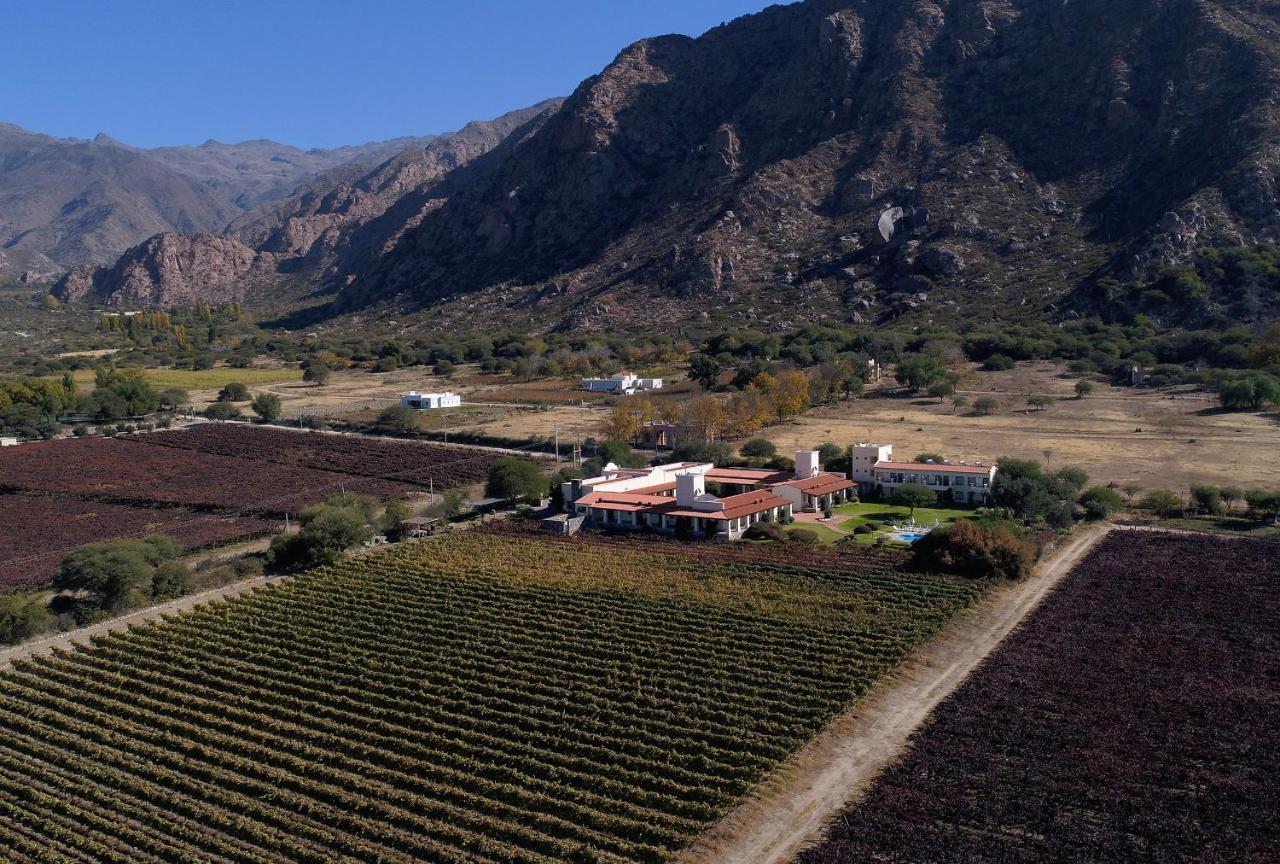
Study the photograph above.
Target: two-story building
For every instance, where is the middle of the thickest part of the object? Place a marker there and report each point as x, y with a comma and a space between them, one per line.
877, 474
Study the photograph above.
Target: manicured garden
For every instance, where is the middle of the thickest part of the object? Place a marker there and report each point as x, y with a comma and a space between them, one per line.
884, 516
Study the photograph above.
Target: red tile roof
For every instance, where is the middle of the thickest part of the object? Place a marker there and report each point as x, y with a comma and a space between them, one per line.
820, 484
750, 476
926, 467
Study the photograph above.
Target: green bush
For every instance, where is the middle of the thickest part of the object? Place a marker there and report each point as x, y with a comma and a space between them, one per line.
805, 536
968, 549
1099, 502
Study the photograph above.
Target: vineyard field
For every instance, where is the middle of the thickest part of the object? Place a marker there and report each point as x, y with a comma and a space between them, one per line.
405, 462
37, 531
1135, 717
123, 470
480, 698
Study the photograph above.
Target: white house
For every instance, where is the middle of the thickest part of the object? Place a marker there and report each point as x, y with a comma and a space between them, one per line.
624, 383
876, 472
430, 401
8, 442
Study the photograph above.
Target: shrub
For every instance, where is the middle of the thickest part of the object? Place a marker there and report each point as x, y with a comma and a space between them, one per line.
1162, 502
1249, 393
998, 363
267, 406
222, 410
400, 419
171, 579
759, 448
865, 528
965, 548
764, 531
23, 616
1208, 499
234, 392
985, 406
1084, 389
805, 536
1099, 502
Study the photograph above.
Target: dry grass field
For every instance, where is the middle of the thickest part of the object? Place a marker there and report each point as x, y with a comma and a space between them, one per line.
1155, 438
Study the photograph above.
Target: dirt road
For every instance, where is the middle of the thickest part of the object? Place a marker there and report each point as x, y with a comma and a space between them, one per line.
151, 613
793, 807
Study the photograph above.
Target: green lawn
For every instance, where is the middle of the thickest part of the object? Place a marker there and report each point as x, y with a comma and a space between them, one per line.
860, 514
825, 534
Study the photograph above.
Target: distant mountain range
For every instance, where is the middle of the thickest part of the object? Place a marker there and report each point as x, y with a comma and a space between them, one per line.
65, 202
842, 160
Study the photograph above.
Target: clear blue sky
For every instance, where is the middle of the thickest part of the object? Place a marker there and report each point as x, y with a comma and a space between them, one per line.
317, 73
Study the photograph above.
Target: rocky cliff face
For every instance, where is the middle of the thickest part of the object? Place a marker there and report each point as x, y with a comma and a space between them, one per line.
169, 270
858, 160
305, 239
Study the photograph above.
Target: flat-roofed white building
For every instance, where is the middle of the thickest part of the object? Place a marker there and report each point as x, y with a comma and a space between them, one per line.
430, 401
624, 383
877, 473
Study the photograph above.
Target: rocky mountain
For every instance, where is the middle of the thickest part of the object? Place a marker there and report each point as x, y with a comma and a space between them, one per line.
253, 172
861, 159
73, 202
65, 202
842, 160
341, 218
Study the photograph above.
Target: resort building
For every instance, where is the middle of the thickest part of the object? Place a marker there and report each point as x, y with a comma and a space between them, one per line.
624, 384
674, 498
430, 401
877, 474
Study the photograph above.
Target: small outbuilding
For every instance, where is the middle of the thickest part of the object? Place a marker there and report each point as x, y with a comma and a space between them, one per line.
430, 401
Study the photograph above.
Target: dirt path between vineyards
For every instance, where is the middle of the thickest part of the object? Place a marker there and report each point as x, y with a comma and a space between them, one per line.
793, 807
152, 613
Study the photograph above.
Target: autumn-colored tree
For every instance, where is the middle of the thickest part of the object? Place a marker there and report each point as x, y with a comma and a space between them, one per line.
704, 417
626, 420
788, 392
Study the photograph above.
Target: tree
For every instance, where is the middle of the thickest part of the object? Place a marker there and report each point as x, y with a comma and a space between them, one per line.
316, 371
759, 448
923, 458
1162, 502
1208, 499
1039, 401
716, 452
912, 495
1099, 502
1249, 392
394, 513
513, 479
985, 406
1084, 389
958, 404
787, 392
400, 419
626, 419
170, 580
705, 370
965, 548
1130, 490
1232, 494
174, 398
919, 371
234, 392
445, 369
222, 411
267, 406
941, 390
113, 575
1263, 504
1073, 476
23, 616
326, 532
619, 453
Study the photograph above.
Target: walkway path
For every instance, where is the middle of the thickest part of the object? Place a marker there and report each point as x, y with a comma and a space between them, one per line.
793, 807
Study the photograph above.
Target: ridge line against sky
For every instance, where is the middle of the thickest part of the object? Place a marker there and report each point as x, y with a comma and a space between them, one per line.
315, 74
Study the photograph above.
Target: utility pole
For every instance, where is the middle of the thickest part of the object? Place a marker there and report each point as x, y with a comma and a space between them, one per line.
431, 483
557, 442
